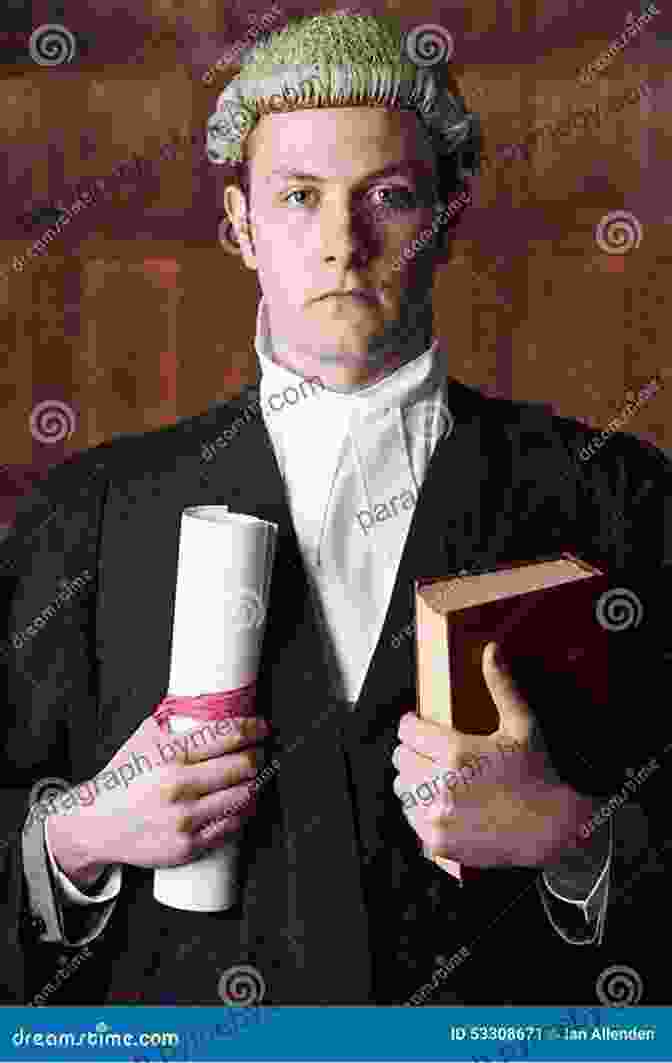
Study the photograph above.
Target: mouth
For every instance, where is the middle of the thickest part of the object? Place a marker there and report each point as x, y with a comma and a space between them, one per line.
367, 295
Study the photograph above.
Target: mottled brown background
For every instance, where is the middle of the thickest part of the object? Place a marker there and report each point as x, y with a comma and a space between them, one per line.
137, 317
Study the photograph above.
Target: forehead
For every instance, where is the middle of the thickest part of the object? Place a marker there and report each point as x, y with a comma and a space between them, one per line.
338, 143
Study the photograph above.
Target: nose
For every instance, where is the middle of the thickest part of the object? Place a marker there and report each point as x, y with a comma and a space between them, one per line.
347, 235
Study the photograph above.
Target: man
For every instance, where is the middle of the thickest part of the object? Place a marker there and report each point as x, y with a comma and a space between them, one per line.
338, 903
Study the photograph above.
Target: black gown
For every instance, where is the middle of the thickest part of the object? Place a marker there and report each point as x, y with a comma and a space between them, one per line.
338, 904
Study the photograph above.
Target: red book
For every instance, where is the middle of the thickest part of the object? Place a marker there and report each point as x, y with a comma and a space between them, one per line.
547, 610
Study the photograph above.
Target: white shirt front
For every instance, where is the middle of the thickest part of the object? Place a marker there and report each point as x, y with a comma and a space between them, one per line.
332, 447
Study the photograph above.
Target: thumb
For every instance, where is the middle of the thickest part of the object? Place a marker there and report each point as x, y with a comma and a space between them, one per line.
515, 716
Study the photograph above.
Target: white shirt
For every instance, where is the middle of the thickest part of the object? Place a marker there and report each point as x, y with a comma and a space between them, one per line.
322, 441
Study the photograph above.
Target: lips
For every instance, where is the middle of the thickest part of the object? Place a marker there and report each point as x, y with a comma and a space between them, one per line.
366, 294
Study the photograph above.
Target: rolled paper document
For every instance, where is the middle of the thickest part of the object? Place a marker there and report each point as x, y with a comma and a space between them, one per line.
224, 567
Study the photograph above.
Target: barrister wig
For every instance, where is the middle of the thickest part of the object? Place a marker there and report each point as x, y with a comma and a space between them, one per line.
347, 60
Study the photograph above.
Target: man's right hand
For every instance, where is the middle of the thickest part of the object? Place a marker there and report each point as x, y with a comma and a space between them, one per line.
159, 816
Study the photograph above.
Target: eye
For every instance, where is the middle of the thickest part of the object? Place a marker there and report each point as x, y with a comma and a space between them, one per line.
297, 192
400, 199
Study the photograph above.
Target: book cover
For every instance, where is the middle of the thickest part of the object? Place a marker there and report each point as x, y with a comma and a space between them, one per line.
543, 615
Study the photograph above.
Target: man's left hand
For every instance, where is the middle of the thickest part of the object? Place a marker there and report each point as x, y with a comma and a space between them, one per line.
516, 812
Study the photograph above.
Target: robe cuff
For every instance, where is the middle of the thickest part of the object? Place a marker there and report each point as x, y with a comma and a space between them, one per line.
579, 922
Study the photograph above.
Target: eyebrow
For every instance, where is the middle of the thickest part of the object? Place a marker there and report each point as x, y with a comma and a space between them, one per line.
410, 168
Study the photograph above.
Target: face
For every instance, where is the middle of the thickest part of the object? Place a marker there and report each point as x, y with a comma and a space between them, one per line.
336, 195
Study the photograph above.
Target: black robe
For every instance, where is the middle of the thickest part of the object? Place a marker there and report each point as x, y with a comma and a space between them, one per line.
338, 904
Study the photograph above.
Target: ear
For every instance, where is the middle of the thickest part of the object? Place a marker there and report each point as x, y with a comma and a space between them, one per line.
236, 210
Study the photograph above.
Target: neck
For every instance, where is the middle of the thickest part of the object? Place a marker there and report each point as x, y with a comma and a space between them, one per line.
344, 372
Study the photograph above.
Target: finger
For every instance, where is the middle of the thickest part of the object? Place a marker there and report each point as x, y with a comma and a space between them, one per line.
435, 831
427, 738
422, 791
467, 761
515, 715
438, 794
212, 738
218, 773
407, 760
442, 783
237, 803
214, 833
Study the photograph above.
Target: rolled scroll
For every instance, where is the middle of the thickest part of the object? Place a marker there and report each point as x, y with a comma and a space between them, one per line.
224, 570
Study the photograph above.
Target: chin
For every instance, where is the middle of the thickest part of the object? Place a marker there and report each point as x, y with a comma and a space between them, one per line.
346, 344
349, 359
353, 315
